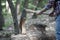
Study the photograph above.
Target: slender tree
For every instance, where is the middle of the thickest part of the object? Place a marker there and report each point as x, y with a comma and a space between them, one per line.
23, 17
18, 12
14, 15
18, 6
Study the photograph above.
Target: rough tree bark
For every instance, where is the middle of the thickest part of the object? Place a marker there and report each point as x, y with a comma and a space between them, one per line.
14, 15
1, 17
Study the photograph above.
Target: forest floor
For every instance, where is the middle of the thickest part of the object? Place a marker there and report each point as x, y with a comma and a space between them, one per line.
41, 19
34, 34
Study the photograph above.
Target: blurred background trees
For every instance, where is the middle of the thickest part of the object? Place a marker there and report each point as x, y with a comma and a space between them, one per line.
10, 9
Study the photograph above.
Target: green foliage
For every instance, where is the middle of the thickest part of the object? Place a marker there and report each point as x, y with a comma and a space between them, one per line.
30, 6
8, 17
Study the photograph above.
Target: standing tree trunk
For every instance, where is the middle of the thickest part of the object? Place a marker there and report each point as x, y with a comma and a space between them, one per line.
7, 7
23, 17
14, 15
1, 17
18, 6
18, 10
